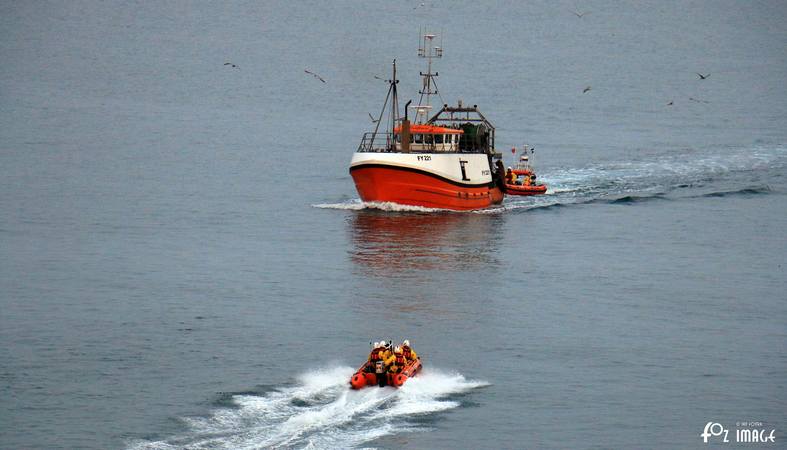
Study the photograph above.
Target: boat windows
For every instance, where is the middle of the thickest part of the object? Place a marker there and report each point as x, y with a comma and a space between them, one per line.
438, 138
419, 138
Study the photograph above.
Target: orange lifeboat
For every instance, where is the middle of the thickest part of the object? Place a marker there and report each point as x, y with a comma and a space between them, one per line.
375, 374
526, 186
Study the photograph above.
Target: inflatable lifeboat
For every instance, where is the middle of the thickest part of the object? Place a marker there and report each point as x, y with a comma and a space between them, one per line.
525, 185
375, 374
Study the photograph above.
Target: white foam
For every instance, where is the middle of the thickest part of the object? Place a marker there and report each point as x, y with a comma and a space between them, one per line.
358, 205
320, 411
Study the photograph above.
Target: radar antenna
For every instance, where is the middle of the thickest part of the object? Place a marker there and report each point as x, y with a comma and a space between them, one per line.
427, 50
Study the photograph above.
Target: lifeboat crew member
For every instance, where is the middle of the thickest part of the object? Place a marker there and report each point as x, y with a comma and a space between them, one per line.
390, 358
398, 361
408, 351
526, 180
510, 176
377, 354
500, 169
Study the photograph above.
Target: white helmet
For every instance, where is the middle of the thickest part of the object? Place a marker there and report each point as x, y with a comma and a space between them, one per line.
406, 343
398, 350
376, 344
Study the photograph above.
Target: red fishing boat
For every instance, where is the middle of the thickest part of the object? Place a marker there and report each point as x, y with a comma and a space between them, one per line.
446, 160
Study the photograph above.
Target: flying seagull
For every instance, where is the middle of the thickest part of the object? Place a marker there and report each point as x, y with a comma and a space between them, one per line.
586, 89
315, 75
419, 5
702, 77
373, 119
230, 64
670, 103
579, 14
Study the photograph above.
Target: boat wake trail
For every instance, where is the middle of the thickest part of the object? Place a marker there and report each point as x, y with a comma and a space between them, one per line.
321, 411
691, 174
687, 174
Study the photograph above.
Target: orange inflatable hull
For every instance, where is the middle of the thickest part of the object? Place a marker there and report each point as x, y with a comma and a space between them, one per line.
363, 378
381, 183
517, 189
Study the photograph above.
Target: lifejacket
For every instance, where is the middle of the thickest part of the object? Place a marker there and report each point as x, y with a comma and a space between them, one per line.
376, 355
407, 352
401, 361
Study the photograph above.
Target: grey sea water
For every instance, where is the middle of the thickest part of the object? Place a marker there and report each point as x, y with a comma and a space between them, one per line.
185, 262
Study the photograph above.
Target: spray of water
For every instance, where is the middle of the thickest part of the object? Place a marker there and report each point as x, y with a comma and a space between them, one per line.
357, 205
320, 411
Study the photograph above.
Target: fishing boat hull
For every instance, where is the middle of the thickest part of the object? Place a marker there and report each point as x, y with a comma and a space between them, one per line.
448, 181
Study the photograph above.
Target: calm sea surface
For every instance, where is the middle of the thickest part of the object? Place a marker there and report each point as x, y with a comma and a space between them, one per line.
184, 261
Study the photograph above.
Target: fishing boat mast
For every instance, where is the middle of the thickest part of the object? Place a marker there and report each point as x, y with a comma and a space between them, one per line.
394, 116
429, 87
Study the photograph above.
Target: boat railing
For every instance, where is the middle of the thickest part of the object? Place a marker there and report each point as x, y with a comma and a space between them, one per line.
376, 142
384, 143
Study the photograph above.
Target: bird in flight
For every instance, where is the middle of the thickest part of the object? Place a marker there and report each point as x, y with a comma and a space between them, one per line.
422, 4
702, 77
230, 64
315, 75
670, 103
579, 14
373, 119
586, 89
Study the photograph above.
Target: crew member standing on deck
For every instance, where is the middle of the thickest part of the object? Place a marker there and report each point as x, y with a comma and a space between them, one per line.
375, 355
389, 357
500, 174
387, 353
408, 351
398, 361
